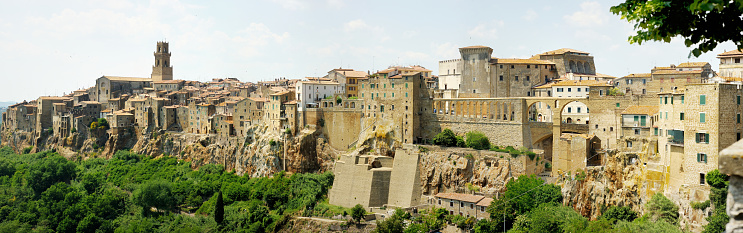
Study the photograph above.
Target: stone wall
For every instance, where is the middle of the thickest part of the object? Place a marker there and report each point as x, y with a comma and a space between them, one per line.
405, 183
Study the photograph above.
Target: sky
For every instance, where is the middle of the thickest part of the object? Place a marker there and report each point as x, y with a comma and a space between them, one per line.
49, 48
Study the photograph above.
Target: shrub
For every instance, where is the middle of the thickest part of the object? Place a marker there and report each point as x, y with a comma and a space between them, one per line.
338, 100
460, 142
716, 179
477, 140
272, 142
661, 208
288, 131
469, 157
700, 205
619, 213
357, 212
28, 149
445, 138
74, 130
321, 122
421, 149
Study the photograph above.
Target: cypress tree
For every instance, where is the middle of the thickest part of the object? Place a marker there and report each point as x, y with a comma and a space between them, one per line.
219, 209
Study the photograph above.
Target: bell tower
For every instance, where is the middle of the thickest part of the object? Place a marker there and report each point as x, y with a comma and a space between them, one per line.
162, 69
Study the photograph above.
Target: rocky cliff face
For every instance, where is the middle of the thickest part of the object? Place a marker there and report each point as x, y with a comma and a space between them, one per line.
260, 154
451, 169
615, 184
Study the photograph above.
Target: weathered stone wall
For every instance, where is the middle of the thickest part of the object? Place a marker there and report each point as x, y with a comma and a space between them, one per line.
405, 182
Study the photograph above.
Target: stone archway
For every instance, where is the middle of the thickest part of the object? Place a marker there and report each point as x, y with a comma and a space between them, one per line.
539, 112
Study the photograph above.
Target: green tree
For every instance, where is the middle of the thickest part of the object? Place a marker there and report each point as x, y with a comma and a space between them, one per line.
219, 209
619, 213
702, 23
716, 179
358, 212
460, 142
661, 208
393, 224
155, 193
50, 170
477, 140
445, 138
718, 197
521, 196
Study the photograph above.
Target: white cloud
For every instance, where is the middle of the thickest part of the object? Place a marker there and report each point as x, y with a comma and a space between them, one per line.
361, 28
355, 25
486, 30
530, 15
72, 23
446, 50
590, 14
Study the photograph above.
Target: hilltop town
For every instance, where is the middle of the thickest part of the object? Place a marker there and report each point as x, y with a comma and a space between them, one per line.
551, 115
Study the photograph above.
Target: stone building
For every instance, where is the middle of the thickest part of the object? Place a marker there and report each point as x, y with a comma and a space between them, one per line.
638, 131
110, 87
576, 152
20, 116
467, 205
633, 84
569, 61
248, 111
45, 112
730, 65
347, 79
449, 78
168, 85
483, 76
399, 101
277, 112
162, 70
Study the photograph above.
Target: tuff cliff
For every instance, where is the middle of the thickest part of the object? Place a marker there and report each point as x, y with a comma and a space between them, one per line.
594, 190
262, 153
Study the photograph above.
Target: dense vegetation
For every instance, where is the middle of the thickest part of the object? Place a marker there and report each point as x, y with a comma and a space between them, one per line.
44, 192
530, 205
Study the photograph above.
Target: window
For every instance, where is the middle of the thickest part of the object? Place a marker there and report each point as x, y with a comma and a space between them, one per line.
511, 66
578, 109
637, 131
701, 178
611, 129
643, 81
738, 118
516, 78
472, 206
578, 89
701, 117
617, 105
501, 78
665, 100
439, 201
527, 66
656, 132
737, 98
702, 138
737, 136
701, 157
682, 99
451, 204
501, 66
569, 89
406, 94
570, 109
527, 78
559, 89
702, 99
737, 60
629, 144
406, 85
461, 204
681, 116
586, 89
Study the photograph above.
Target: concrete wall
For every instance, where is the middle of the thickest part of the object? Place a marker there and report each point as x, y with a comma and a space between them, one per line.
405, 183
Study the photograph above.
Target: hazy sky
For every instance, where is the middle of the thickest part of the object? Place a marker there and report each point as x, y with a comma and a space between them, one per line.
54, 47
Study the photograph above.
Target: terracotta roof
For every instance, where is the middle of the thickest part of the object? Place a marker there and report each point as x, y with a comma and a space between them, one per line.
562, 51
592, 83
291, 102
546, 85
461, 197
281, 93
54, 98
736, 52
320, 82
523, 61
485, 202
640, 110
353, 74
395, 76
640, 75
256, 99
128, 79
605, 76
678, 72
692, 64
732, 79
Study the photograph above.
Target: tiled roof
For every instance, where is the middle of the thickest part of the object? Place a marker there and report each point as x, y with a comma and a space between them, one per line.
640, 110
168, 81
353, 73
485, 202
256, 99
678, 72
291, 102
732, 79
572, 135
692, 64
736, 52
640, 75
562, 51
461, 197
605, 76
523, 61
592, 83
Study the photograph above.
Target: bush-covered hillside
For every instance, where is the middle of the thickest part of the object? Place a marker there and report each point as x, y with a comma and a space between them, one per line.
44, 192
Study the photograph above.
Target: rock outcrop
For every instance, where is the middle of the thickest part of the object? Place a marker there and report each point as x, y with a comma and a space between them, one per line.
262, 153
